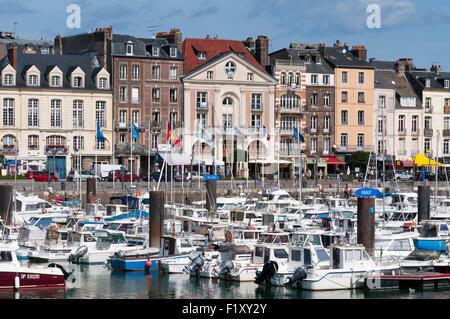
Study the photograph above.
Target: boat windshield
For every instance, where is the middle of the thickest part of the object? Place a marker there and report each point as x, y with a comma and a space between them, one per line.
262, 207
322, 255
280, 253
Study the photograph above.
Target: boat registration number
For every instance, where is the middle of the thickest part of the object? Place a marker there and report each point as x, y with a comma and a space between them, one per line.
30, 276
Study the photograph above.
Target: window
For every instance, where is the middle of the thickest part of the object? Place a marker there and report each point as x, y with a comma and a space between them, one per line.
33, 112
408, 101
123, 94
361, 97
428, 123
446, 102
56, 81
361, 77
33, 80
100, 113
291, 79
8, 80
380, 126
380, 147
155, 51
173, 117
210, 75
135, 95
201, 120
227, 121
230, 68
428, 83
156, 72
201, 55
297, 79
446, 84
344, 117
202, 99
256, 121
382, 102
290, 101
428, 103
77, 82
78, 117
314, 99
344, 77
360, 141
326, 79
173, 52
283, 78
257, 101
130, 48
135, 72
156, 95
326, 99
401, 123
100, 145
123, 117
313, 78
446, 147
55, 113
427, 145
344, 97
103, 83
8, 112
78, 143
326, 145
249, 76
173, 73
326, 123
135, 117
415, 124
446, 123
314, 145
173, 95
33, 142
313, 124
344, 140
155, 141
228, 101
123, 72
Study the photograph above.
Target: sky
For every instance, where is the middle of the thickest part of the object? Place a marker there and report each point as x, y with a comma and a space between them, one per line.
408, 28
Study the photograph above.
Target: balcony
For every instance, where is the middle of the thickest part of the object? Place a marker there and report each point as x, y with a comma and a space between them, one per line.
416, 132
255, 107
125, 149
290, 110
447, 109
428, 132
55, 150
403, 132
8, 150
202, 106
353, 148
428, 109
446, 133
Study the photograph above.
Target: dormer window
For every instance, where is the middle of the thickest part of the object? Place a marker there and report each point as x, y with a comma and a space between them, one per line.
173, 52
130, 48
428, 83
45, 50
56, 81
155, 51
447, 84
201, 55
33, 80
78, 82
8, 79
319, 60
103, 83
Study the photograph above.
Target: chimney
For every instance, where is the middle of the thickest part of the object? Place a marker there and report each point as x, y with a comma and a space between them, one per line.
322, 50
58, 45
262, 50
249, 43
436, 69
12, 55
359, 52
174, 36
403, 65
337, 44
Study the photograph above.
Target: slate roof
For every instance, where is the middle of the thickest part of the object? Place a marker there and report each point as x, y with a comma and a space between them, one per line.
418, 78
342, 57
142, 47
66, 63
383, 65
299, 53
212, 48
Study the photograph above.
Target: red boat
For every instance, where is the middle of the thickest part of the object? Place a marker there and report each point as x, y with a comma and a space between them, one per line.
15, 276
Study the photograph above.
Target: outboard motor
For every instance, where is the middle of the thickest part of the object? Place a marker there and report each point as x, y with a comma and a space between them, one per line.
299, 274
196, 264
268, 272
67, 275
224, 269
80, 252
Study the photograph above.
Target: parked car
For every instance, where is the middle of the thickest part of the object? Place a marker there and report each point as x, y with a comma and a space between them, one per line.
121, 175
84, 175
403, 176
154, 177
429, 176
41, 176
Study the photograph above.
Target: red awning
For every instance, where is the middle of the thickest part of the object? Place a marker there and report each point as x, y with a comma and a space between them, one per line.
333, 160
408, 164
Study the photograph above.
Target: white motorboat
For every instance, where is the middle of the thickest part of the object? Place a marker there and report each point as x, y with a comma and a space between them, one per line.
28, 206
54, 249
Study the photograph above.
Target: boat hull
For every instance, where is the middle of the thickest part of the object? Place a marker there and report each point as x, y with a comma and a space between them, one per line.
436, 244
30, 280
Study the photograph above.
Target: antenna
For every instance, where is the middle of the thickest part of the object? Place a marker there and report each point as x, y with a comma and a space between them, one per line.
15, 24
153, 28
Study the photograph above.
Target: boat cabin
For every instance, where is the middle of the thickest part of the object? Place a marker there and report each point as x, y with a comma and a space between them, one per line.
106, 238
243, 236
235, 252
55, 236
309, 255
97, 210
281, 238
270, 252
115, 210
430, 229
349, 257
244, 217
78, 238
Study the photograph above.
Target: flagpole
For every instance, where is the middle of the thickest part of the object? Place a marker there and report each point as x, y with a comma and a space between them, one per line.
131, 162
149, 153
113, 153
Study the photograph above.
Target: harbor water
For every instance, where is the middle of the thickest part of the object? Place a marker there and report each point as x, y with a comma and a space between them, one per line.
98, 282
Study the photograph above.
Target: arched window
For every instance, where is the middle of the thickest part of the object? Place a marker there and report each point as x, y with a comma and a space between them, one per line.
9, 141
289, 101
297, 79
228, 101
290, 79
283, 78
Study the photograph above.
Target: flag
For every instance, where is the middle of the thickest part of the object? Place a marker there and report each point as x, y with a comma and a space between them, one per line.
169, 131
173, 138
100, 136
237, 131
134, 131
298, 136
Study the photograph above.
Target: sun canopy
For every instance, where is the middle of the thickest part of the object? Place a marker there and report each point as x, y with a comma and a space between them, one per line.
422, 160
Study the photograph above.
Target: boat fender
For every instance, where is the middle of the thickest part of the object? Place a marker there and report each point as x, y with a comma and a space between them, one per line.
299, 274
16, 282
269, 270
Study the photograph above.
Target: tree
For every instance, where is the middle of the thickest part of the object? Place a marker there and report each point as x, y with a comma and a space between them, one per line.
359, 159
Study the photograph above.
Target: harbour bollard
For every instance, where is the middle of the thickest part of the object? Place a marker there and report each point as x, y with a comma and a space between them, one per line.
91, 191
423, 205
366, 224
156, 223
211, 195
6, 203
